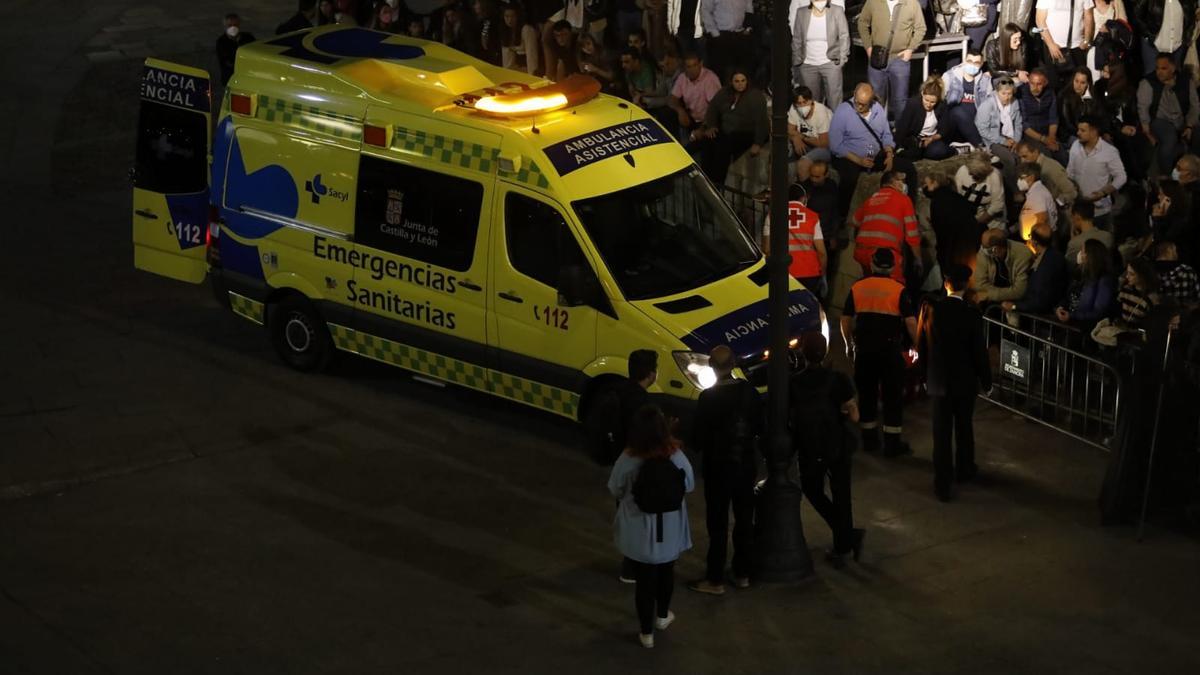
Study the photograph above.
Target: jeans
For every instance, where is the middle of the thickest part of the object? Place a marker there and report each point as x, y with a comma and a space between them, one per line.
1150, 52
825, 82
891, 84
836, 512
1171, 145
953, 426
729, 484
962, 125
655, 584
627, 22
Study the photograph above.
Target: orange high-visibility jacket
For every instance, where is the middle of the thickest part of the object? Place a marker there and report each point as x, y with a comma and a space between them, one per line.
802, 225
885, 220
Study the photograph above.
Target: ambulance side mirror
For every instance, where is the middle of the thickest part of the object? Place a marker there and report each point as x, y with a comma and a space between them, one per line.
577, 286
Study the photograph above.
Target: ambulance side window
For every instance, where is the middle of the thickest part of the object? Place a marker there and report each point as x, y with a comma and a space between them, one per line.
417, 214
539, 242
172, 150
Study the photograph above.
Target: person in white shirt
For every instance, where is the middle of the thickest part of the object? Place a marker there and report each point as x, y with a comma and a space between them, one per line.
1039, 206
808, 131
1096, 168
820, 49
1066, 36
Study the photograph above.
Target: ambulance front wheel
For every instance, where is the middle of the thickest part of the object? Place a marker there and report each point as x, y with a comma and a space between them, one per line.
299, 335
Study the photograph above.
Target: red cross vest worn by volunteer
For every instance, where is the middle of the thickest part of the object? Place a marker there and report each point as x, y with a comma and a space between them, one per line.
885, 220
802, 225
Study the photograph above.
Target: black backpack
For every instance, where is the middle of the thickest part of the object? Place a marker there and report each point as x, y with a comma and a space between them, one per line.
816, 426
659, 488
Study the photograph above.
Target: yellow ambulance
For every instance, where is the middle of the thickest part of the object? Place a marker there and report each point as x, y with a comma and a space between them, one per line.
400, 200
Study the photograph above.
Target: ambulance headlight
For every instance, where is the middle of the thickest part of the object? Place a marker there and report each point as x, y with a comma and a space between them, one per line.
695, 366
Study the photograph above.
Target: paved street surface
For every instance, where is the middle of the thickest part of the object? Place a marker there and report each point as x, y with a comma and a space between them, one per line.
174, 500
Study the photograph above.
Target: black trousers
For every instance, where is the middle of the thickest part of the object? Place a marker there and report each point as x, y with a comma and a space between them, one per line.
952, 417
836, 512
725, 485
848, 173
879, 373
655, 584
716, 154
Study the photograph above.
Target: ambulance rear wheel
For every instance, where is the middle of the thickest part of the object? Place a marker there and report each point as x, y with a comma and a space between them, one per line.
299, 335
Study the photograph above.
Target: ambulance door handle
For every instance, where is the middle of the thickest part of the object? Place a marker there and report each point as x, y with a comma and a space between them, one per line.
511, 297
147, 214
467, 284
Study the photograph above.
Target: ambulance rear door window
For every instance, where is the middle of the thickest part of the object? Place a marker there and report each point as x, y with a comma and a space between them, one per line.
172, 150
418, 214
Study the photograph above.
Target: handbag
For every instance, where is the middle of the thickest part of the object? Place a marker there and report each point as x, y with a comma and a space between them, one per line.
974, 15
879, 59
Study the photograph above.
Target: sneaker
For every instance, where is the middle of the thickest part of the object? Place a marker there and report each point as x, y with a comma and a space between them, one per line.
662, 622
962, 148
706, 586
741, 582
626, 580
647, 640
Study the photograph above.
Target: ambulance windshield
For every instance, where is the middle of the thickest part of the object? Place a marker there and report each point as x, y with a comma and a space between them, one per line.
667, 236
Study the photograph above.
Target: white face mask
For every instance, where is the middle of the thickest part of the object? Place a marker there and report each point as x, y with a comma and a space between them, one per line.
819, 4
1080, 258
1175, 174
904, 188
1022, 184
232, 31
804, 110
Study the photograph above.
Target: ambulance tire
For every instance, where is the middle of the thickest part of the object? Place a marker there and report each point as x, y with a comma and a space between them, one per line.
299, 334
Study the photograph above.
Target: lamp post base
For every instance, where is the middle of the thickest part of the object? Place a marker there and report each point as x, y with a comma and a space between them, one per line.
781, 550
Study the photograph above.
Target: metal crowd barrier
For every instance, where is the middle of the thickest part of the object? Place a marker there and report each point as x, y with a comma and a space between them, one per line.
750, 211
1038, 376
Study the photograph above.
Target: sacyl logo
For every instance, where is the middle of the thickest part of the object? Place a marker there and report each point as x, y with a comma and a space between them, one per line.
315, 188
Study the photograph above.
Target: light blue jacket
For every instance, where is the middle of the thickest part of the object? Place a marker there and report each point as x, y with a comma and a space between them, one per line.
953, 79
635, 531
987, 120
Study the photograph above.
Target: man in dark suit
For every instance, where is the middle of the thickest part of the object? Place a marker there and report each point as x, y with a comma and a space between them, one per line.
951, 345
303, 19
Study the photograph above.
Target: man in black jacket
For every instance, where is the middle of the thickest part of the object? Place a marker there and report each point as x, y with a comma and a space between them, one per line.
1048, 276
951, 345
729, 421
228, 43
303, 19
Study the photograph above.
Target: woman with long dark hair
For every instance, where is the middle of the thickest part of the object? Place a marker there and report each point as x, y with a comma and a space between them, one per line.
519, 48
1007, 53
652, 541
1090, 297
1074, 101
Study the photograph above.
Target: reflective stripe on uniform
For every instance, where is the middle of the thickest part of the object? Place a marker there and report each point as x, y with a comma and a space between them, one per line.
878, 234
892, 430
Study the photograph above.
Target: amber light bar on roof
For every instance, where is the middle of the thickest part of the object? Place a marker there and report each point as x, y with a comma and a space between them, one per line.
502, 101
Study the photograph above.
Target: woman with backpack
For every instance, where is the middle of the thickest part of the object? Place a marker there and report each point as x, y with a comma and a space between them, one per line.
649, 480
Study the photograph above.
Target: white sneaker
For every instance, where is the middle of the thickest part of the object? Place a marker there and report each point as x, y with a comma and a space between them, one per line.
647, 640
661, 623
962, 148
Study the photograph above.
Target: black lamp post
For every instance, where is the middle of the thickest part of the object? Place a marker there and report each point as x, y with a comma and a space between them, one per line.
782, 550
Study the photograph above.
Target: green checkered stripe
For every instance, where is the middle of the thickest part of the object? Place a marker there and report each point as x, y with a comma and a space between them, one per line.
536, 394
245, 307
446, 150
530, 174
287, 112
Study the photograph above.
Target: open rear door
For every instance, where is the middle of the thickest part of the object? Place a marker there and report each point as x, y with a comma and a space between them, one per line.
170, 177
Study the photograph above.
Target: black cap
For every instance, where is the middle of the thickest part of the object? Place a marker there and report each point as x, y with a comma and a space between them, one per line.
883, 258
957, 274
